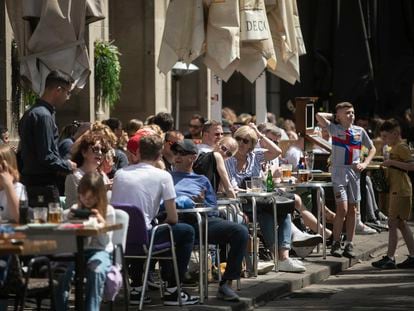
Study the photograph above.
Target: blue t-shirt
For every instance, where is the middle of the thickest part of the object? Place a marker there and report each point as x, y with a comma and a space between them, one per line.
192, 184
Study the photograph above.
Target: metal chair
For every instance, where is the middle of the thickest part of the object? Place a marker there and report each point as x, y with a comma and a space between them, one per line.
141, 245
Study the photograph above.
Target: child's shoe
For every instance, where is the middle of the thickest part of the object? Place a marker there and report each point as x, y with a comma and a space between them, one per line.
384, 263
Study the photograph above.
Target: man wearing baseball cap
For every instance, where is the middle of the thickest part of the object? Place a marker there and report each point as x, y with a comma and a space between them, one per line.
198, 188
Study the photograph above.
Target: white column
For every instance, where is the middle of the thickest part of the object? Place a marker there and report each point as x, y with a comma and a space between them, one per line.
215, 97
261, 109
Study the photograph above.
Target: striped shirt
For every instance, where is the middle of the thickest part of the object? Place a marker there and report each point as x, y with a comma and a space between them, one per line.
253, 168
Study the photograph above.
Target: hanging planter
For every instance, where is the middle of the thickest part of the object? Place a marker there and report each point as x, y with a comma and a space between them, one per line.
107, 73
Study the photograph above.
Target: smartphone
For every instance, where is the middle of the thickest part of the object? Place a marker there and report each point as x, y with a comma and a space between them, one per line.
82, 213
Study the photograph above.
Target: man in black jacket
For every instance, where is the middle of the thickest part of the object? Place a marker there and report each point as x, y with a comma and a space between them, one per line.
40, 162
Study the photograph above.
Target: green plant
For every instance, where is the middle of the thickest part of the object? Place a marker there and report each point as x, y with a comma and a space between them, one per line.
107, 72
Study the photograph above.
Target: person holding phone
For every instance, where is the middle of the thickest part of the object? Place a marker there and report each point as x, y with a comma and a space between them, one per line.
91, 197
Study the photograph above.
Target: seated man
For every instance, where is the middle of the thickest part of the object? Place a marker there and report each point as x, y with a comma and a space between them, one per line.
198, 187
144, 185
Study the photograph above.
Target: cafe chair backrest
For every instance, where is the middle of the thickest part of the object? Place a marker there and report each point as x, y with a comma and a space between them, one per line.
137, 237
120, 236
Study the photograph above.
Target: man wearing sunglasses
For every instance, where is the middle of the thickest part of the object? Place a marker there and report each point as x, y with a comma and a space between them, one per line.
212, 133
194, 128
40, 161
198, 188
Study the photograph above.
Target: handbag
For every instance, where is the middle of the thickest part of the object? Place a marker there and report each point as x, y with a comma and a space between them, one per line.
113, 283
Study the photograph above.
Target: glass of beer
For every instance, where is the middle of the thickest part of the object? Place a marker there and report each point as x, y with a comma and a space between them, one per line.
40, 215
55, 213
304, 176
286, 172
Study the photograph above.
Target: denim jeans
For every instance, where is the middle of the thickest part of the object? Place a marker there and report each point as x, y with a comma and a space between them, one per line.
184, 242
284, 230
98, 264
265, 219
236, 235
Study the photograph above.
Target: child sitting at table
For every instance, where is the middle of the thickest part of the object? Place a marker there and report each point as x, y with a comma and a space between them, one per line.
10, 188
98, 249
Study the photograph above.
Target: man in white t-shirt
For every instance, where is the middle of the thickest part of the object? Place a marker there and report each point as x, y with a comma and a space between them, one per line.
145, 186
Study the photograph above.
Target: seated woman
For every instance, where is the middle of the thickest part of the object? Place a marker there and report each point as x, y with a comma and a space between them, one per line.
88, 157
10, 188
247, 163
211, 165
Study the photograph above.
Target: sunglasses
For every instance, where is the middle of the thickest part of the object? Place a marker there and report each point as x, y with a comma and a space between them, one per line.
96, 149
226, 151
182, 153
244, 140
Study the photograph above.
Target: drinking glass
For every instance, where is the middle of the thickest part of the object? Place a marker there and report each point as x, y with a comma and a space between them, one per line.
309, 160
304, 176
257, 184
55, 213
286, 171
40, 215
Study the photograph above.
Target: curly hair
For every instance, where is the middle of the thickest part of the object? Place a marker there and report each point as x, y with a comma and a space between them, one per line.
87, 141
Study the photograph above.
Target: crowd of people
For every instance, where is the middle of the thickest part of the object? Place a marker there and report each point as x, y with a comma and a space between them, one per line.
151, 165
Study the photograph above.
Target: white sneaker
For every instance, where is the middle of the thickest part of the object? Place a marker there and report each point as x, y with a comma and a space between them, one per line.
289, 265
364, 230
306, 239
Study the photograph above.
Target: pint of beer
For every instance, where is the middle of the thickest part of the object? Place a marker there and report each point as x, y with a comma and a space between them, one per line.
55, 213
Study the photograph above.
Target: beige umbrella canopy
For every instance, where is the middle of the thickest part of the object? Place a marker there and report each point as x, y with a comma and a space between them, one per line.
50, 35
234, 35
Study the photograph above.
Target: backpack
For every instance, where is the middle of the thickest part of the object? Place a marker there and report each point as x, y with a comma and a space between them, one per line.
113, 283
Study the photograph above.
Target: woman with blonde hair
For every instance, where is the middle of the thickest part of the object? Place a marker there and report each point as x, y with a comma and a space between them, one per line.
11, 190
247, 163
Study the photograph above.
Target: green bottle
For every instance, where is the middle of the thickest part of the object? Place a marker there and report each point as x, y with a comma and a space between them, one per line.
269, 181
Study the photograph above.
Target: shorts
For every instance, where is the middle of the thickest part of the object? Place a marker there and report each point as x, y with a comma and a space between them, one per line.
346, 184
399, 207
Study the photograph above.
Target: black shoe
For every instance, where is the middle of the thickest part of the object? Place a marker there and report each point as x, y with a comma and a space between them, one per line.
171, 299
349, 251
135, 296
384, 263
336, 249
406, 264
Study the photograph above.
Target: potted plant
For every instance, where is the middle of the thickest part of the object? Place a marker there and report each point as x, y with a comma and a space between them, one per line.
107, 74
